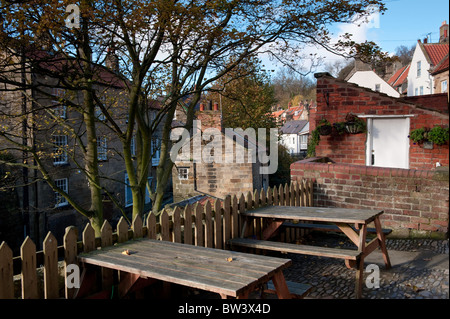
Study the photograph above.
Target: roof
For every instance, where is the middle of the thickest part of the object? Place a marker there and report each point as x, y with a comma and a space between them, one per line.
441, 66
293, 127
400, 76
435, 52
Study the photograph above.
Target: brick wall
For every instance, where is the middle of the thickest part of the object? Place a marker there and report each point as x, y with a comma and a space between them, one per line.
415, 202
336, 98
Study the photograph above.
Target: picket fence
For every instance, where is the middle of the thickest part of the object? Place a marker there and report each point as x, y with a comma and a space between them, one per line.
210, 225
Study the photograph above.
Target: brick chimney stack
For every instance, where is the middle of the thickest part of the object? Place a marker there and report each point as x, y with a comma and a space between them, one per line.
210, 116
443, 33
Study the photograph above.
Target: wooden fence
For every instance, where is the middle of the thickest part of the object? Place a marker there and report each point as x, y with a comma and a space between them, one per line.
210, 225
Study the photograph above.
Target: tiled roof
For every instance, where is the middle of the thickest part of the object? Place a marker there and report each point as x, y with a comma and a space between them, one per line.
399, 76
441, 66
436, 51
293, 127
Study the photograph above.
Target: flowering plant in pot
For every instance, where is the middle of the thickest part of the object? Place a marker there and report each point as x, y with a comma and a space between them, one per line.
324, 127
354, 125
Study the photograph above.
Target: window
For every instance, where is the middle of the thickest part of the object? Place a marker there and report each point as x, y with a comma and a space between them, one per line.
304, 141
421, 90
59, 149
102, 149
416, 91
444, 86
377, 87
183, 173
63, 185
99, 114
419, 68
60, 110
155, 149
129, 195
293, 140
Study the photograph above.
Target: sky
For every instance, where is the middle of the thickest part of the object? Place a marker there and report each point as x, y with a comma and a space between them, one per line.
403, 23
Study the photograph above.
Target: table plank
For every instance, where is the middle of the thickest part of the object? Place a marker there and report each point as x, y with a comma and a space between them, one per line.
197, 267
323, 214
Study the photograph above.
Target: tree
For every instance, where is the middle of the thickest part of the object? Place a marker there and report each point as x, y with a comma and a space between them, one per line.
176, 47
246, 97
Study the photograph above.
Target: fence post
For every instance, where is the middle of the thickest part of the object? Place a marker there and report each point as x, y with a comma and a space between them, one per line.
208, 225
226, 220
151, 226
70, 257
88, 239
218, 234
199, 234
6, 272
165, 227
122, 230
136, 225
177, 225
188, 225
29, 275
106, 240
50, 248
234, 217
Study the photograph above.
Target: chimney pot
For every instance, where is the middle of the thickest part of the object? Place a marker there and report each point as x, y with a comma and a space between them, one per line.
425, 40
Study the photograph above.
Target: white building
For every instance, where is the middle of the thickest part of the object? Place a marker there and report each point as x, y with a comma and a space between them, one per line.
426, 57
294, 136
369, 79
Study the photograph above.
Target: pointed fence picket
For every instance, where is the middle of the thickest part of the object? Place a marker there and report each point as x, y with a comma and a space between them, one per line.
209, 225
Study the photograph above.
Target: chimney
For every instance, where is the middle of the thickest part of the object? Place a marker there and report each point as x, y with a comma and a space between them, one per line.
210, 116
425, 40
112, 60
443, 33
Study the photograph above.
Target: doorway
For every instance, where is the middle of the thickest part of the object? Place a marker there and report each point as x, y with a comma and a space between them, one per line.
388, 142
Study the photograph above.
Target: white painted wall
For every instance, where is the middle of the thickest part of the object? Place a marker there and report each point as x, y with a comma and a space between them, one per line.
424, 80
370, 79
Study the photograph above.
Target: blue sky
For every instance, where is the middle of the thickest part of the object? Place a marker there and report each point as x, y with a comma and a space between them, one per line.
403, 23
406, 21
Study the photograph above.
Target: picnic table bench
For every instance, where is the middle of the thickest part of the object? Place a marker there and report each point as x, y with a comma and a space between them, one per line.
352, 222
228, 273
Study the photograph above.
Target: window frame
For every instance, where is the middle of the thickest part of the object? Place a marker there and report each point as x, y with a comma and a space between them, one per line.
61, 201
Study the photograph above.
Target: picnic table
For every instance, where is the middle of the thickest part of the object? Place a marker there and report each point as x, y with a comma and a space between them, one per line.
352, 222
228, 273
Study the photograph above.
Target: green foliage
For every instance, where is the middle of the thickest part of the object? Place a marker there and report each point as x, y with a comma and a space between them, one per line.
313, 142
438, 135
417, 135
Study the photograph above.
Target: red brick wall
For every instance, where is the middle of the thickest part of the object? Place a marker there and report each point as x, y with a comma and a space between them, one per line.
336, 98
415, 202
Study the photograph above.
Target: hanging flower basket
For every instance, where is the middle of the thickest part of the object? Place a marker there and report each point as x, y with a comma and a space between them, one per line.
354, 124
324, 127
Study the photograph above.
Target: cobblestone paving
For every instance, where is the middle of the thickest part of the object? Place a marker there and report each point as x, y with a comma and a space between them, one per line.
332, 280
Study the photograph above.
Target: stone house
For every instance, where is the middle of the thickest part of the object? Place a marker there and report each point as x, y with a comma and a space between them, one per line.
219, 177
47, 116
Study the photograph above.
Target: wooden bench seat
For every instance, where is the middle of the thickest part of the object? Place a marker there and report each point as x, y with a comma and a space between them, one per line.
346, 254
327, 227
297, 290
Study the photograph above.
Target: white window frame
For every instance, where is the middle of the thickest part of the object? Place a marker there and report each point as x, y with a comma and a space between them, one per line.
102, 149
59, 149
183, 175
444, 86
63, 184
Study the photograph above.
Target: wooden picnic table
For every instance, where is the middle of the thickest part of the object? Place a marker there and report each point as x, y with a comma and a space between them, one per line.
352, 222
228, 273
